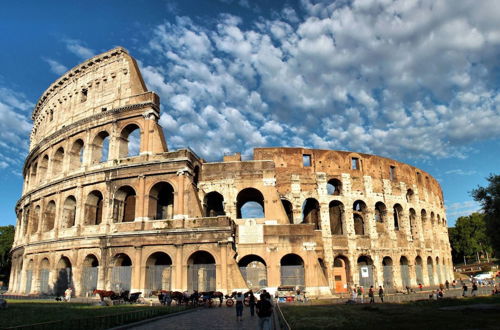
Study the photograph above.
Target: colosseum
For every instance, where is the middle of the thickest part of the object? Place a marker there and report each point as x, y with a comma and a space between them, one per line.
106, 205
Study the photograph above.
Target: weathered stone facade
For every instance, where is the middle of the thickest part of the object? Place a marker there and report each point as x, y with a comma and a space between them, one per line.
94, 215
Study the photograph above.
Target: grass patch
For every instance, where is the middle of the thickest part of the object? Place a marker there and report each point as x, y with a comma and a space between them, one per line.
411, 315
75, 315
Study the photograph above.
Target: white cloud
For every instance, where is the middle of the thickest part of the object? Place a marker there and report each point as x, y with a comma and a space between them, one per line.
76, 47
55, 66
396, 78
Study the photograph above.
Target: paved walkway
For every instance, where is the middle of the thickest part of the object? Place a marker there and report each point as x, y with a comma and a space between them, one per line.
205, 318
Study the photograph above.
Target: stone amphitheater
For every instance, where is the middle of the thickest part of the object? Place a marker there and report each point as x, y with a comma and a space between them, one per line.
106, 205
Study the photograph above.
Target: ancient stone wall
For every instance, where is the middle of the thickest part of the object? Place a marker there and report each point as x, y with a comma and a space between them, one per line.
106, 205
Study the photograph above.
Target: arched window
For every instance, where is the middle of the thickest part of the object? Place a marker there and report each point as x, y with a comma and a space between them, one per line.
380, 212
161, 201
336, 210
288, 209
57, 162
214, 204
311, 213
100, 147
49, 216
93, 208
42, 168
409, 196
130, 141
124, 205
359, 210
334, 187
76, 155
254, 271
398, 213
250, 204
35, 220
69, 212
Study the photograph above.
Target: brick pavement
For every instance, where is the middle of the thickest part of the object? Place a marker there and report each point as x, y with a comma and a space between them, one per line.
204, 318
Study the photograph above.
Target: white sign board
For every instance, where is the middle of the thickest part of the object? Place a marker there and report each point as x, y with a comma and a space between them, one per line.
364, 271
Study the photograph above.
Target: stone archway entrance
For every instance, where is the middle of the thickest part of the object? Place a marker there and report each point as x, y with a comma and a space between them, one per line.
201, 272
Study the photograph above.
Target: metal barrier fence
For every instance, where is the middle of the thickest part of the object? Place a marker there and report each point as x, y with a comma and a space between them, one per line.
102, 322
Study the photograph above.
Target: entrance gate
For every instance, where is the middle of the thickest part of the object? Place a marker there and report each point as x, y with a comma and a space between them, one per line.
158, 277
201, 277
121, 277
89, 280
44, 280
292, 275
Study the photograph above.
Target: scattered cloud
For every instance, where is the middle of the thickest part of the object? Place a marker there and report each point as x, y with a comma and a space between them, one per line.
460, 209
56, 67
77, 47
394, 78
461, 172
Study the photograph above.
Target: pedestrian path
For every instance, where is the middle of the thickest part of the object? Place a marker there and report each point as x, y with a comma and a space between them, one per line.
204, 318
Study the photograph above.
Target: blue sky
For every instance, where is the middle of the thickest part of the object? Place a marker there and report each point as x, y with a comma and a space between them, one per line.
416, 81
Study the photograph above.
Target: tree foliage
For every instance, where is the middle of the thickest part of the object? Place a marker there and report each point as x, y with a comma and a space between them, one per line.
6, 240
489, 197
469, 237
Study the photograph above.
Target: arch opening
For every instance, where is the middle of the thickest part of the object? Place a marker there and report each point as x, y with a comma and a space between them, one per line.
292, 270
201, 272
311, 213
158, 272
214, 204
336, 211
161, 201
90, 273
254, 271
124, 205
69, 212
121, 273
250, 204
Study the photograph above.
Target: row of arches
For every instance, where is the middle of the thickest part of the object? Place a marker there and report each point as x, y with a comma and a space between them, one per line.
127, 144
406, 270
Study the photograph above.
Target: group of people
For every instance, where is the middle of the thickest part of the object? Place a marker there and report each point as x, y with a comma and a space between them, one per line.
358, 292
263, 307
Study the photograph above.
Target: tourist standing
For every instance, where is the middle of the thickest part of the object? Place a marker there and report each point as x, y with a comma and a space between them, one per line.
251, 302
67, 294
371, 294
381, 293
264, 312
239, 306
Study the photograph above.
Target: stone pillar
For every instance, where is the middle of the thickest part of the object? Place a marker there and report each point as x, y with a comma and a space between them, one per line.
136, 268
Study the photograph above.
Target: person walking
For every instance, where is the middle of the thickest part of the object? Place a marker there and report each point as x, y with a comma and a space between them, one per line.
264, 312
251, 302
474, 289
371, 294
381, 293
464, 290
239, 306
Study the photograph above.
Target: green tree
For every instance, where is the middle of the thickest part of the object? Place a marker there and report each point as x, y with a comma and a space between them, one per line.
489, 197
469, 237
6, 240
